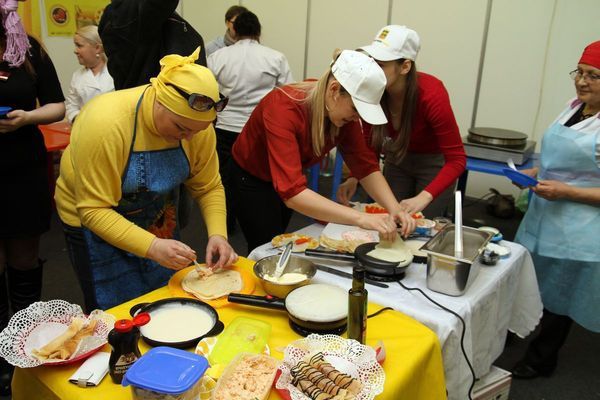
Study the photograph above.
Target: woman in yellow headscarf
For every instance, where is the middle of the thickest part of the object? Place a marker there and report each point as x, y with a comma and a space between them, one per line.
117, 190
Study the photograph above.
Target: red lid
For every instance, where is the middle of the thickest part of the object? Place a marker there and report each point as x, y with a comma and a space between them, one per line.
123, 325
141, 319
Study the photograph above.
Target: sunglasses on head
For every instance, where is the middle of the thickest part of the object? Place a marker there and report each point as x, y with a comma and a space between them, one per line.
200, 102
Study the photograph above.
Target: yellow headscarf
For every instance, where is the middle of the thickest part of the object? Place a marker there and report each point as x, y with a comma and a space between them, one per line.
191, 78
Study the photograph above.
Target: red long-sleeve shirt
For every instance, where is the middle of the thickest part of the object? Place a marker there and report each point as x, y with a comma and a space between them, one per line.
434, 131
275, 144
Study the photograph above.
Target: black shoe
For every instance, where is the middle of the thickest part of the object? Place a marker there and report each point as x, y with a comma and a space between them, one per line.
522, 370
6, 374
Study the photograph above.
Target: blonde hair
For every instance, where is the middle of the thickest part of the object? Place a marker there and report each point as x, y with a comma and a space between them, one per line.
315, 102
90, 34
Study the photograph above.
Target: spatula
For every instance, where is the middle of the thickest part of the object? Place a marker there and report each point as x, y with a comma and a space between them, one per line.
283, 260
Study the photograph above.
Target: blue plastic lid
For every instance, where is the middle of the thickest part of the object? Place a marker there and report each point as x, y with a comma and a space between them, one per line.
166, 370
519, 177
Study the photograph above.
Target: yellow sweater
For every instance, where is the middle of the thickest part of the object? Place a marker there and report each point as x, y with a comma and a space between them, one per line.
89, 185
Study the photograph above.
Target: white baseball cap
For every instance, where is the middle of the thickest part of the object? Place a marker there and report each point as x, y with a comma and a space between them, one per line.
365, 81
394, 42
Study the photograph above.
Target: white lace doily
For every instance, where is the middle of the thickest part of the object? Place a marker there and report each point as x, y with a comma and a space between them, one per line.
41, 322
346, 355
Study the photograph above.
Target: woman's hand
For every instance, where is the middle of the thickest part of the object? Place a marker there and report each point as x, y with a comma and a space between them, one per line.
171, 254
46, 114
552, 190
219, 253
346, 190
382, 223
14, 120
407, 223
417, 203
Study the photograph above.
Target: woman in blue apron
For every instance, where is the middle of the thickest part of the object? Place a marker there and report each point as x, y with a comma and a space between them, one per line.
562, 225
117, 193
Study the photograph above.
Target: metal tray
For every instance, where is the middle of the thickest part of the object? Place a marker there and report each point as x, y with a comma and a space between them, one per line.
450, 275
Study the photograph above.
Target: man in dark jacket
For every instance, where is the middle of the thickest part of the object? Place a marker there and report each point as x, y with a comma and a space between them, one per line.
136, 34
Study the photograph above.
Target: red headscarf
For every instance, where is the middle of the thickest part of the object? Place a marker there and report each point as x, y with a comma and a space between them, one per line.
591, 55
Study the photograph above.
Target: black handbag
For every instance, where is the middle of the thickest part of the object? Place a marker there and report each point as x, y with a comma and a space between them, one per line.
500, 205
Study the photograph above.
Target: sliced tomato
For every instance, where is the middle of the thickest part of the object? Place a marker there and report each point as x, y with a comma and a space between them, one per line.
373, 209
302, 240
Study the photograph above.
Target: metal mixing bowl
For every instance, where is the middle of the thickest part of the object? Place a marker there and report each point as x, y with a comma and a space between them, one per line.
296, 264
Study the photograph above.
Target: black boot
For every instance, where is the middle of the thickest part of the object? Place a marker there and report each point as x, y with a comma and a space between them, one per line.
6, 374
24, 287
6, 370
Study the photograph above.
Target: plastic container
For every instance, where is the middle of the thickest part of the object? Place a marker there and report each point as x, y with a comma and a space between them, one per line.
242, 335
256, 368
424, 226
167, 374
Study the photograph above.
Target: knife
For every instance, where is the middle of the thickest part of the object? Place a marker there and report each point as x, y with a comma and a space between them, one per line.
348, 275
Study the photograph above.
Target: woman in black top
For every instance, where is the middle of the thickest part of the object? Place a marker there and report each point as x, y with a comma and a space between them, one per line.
27, 77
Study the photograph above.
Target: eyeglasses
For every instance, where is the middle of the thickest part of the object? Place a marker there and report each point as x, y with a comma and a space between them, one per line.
200, 102
589, 78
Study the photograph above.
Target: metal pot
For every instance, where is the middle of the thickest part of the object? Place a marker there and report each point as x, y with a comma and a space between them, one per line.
446, 273
152, 308
266, 266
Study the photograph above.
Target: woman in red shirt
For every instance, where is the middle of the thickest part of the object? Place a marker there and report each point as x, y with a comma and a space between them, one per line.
424, 154
294, 127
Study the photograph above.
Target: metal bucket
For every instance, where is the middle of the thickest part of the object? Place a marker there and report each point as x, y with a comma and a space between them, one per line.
450, 275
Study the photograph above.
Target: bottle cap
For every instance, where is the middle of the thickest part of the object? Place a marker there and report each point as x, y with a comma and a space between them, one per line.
141, 319
123, 325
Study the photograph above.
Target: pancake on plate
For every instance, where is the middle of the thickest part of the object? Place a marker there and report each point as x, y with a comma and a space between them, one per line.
63, 346
346, 238
212, 287
301, 242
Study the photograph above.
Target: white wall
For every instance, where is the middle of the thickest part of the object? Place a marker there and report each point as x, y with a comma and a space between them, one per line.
531, 47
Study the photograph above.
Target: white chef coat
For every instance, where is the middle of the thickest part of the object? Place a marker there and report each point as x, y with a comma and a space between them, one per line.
246, 72
84, 87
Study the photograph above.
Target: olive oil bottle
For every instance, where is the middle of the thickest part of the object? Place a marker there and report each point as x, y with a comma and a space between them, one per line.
357, 306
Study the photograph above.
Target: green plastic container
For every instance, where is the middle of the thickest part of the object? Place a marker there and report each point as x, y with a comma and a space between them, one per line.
242, 335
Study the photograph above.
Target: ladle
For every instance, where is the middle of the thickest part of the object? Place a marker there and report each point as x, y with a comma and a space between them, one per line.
458, 238
283, 260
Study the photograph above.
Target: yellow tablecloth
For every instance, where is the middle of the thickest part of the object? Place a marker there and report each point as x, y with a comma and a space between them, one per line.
413, 365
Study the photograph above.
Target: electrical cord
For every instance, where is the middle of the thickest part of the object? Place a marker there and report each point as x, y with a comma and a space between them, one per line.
376, 313
462, 336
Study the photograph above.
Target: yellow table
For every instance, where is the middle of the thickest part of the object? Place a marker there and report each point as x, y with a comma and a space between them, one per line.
413, 365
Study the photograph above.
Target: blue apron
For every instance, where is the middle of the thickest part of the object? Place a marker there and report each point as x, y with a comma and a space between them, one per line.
149, 200
561, 235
